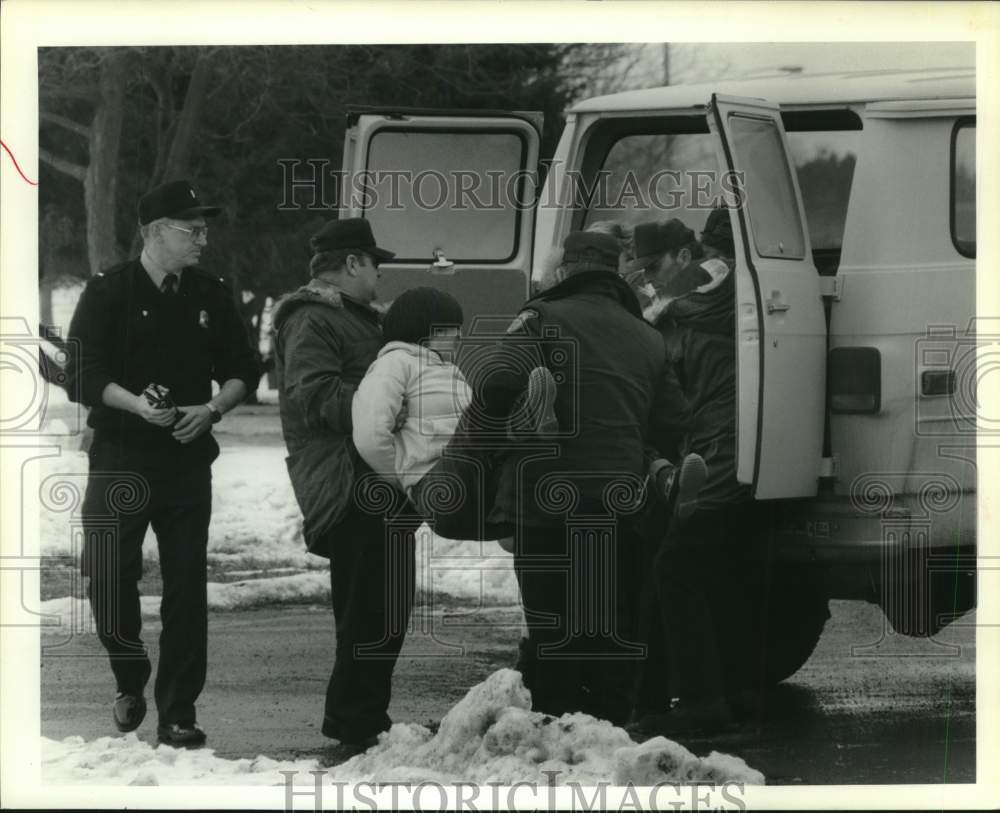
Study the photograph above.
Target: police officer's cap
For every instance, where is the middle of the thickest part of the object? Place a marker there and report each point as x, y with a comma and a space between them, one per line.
590, 251
353, 233
653, 240
176, 200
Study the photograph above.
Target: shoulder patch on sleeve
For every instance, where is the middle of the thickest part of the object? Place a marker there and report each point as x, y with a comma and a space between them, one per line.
521, 321
717, 270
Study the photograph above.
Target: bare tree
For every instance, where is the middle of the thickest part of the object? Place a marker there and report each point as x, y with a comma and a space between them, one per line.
95, 83
99, 174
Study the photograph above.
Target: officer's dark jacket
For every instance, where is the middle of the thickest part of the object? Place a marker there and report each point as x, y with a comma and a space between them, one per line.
615, 395
699, 332
324, 343
130, 334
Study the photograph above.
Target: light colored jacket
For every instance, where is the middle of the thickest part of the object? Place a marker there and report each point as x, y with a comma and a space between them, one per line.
435, 394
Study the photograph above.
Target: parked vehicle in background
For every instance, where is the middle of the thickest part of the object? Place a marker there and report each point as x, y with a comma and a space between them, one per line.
856, 307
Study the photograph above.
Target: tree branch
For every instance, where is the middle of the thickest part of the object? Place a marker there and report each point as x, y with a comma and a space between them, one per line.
77, 171
85, 93
67, 123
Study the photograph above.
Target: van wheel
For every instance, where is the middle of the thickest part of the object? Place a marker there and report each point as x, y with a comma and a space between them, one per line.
771, 636
791, 640
923, 606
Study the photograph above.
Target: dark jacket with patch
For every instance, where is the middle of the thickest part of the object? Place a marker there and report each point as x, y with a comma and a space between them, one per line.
616, 395
324, 342
699, 331
126, 332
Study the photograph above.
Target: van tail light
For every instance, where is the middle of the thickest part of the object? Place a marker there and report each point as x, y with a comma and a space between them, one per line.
937, 382
854, 376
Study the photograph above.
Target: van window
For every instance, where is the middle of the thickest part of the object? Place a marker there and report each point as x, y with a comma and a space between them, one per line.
824, 164
963, 187
655, 177
770, 194
427, 208
824, 147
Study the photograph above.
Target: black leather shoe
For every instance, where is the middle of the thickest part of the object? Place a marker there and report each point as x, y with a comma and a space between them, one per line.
181, 736
129, 710
343, 751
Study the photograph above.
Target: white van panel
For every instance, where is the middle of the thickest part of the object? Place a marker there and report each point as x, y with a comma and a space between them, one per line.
907, 291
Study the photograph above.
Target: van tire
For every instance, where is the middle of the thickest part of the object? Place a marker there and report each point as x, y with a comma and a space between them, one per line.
769, 638
792, 640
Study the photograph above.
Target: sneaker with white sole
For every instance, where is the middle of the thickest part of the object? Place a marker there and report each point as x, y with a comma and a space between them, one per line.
535, 414
684, 484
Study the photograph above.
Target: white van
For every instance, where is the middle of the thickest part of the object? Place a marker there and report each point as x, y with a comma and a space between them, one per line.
856, 333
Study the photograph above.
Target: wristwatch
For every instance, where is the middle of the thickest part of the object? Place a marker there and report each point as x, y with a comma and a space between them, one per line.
216, 415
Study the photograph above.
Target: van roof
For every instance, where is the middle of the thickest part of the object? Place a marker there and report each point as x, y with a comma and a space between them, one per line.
799, 89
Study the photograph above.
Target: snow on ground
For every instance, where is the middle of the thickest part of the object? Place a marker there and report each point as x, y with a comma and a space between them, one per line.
302, 588
129, 761
256, 526
255, 520
491, 735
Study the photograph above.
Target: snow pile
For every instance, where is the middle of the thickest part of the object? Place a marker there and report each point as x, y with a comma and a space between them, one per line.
127, 760
491, 735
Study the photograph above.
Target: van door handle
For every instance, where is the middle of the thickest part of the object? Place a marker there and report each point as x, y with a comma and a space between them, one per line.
775, 303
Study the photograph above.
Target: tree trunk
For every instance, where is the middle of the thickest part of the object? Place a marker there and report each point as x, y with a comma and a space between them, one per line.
100, 186
178, 163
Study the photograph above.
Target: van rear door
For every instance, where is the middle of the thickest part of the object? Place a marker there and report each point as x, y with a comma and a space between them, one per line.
780, 327
452, 194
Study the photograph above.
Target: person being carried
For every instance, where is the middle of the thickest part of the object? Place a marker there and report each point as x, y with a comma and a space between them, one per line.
413, 395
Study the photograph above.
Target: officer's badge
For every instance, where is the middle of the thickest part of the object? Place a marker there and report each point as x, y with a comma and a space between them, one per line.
203, 319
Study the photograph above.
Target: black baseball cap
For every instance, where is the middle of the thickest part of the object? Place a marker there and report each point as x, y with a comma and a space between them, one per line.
176, 199
351, 233
590, 251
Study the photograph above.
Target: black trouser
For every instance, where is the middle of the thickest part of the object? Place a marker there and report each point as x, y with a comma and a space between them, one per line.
579, 588
372, 582
118, 507
696, 568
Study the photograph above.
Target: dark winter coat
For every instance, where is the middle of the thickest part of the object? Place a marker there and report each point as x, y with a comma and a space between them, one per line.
324, 343
615, 395
699, 331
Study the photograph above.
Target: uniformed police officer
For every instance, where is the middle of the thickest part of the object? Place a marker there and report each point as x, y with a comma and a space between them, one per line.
578, 558
156, 319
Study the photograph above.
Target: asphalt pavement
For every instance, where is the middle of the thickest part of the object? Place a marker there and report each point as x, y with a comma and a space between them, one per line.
870, 707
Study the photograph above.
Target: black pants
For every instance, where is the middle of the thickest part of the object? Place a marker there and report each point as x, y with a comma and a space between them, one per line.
579, 589
372, 582
696, 578
118, 507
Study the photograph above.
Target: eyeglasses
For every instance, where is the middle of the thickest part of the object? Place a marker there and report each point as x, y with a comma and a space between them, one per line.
196, 233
